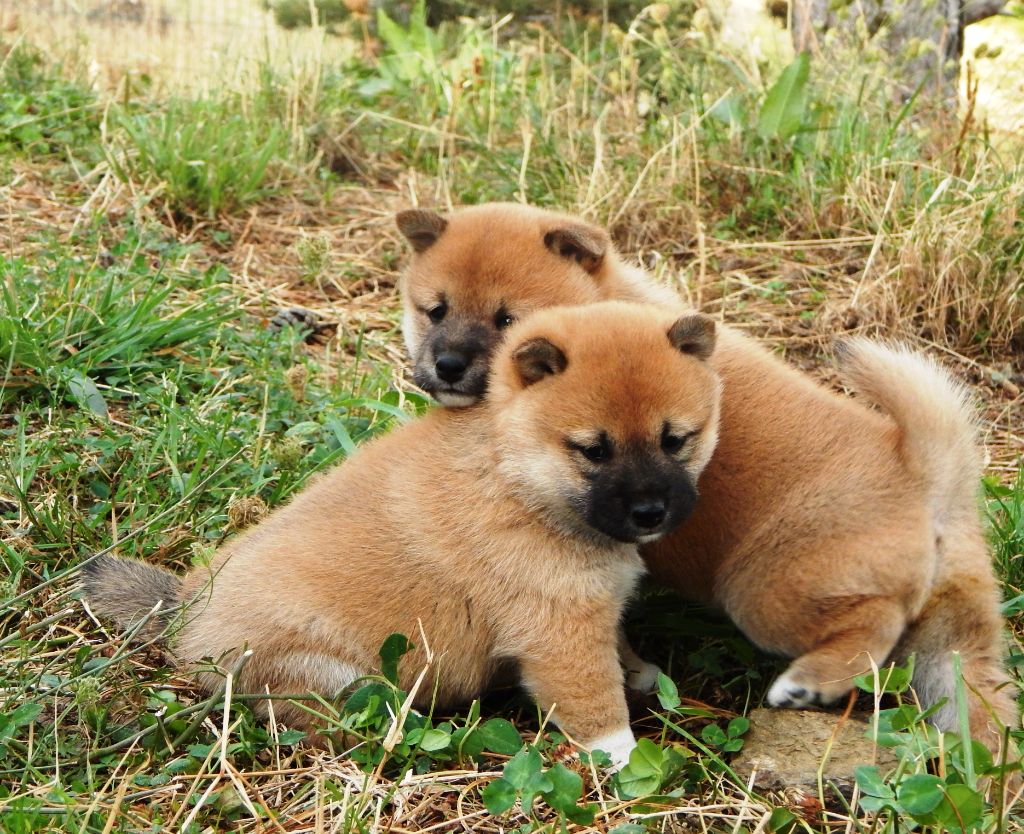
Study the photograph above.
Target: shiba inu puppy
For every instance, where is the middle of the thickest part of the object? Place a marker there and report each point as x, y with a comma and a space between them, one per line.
831, 532
505, 534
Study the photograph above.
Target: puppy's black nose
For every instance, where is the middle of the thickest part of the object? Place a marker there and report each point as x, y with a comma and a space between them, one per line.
648, 513
450, 366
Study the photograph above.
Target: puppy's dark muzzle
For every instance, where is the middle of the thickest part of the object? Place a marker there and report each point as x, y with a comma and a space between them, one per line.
453, 361
628, 514
443, 380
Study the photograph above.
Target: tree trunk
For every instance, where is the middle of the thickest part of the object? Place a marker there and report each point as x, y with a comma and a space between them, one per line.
975, 10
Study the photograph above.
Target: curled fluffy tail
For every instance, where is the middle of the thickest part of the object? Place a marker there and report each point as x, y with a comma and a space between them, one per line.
933, 412
938, 445
127, 591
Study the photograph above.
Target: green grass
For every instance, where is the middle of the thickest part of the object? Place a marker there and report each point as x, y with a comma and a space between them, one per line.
1006, 517
200, 157
164, 347
142, 396
1006, 524
41, 112
136, 405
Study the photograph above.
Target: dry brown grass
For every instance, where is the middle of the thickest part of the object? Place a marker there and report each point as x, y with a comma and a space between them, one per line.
873, 257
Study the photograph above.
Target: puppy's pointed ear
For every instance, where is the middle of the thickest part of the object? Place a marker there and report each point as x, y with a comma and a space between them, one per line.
587, 245
693, 333
536, 359
421, 227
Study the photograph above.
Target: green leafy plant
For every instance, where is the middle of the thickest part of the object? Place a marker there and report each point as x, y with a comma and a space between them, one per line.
892, 678
649, 768
15, 720
924, 798
951, 801
369, 713
785, 105
411, 59
25, 816
729, 740
525, 779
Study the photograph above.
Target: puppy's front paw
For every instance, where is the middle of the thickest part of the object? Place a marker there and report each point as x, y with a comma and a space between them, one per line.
643, 677
618, 744
791, 694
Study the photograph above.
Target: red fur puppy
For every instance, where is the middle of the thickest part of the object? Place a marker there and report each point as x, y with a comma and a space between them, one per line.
831, 532
507, 532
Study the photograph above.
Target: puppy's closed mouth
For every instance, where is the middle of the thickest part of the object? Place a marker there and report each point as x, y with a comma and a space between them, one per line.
641, 538
450, 398
457, 394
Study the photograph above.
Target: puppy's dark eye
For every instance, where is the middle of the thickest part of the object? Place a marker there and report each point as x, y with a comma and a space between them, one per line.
503, 319
598, 452
672, 443
438, 312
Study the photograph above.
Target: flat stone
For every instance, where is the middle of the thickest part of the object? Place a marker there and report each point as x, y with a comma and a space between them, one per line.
786, 748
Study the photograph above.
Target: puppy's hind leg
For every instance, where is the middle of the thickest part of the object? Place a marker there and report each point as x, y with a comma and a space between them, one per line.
962, 616
854, 632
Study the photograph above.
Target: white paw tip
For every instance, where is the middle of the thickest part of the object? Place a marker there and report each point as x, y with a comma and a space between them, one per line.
789, 694
617, 744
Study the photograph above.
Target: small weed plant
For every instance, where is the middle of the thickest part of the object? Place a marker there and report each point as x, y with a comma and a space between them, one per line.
200, 157
42, 113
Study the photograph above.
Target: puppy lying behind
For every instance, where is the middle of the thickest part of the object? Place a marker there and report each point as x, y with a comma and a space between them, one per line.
507, 532
830, 532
